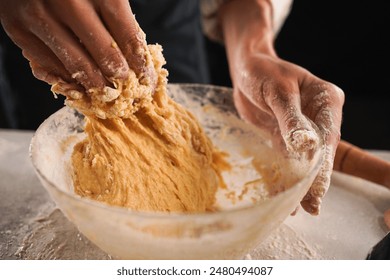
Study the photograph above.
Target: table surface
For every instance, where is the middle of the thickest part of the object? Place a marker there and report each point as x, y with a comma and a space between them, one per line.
31, 227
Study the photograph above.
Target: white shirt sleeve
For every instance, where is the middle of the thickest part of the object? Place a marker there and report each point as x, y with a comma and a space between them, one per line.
211, 28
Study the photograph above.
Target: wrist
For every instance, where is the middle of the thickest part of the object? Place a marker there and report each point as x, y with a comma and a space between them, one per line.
247, 27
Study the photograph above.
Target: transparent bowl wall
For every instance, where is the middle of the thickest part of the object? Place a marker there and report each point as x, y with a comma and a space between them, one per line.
230, 233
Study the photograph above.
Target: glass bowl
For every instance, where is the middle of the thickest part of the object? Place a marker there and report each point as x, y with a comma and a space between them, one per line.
263, 187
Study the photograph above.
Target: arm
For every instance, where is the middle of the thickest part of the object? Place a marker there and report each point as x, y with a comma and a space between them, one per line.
271, 92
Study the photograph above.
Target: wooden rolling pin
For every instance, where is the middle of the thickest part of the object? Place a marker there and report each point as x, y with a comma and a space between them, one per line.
354, 161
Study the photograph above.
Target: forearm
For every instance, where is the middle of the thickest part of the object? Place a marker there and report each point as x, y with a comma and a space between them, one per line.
247, 28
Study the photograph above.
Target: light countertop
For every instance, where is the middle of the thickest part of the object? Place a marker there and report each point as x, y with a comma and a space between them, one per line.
31, 227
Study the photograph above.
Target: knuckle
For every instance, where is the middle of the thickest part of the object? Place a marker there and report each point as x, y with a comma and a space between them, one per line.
133, 43
34, 12
110, 7
73, 5
268, 92
114, 7
113, 65
87, 75
337, 94
75, 8
326, 96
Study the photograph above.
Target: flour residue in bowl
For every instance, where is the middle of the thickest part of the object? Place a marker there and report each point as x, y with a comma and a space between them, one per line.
143, 151
259, 170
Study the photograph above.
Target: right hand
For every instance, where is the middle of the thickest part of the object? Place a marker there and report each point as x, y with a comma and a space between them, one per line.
78, 44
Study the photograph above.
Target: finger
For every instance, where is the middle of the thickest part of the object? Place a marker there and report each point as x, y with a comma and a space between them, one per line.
250, 113
65, 46
82, 18
44, 63
297, 131
313, 198
33, 49
72, 91
122, 24
326, 111
51, 69
264, 120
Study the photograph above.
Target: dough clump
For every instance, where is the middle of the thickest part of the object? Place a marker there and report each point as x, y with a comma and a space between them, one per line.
143, 151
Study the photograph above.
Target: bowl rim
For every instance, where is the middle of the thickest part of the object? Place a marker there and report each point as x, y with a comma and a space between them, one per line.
162, 215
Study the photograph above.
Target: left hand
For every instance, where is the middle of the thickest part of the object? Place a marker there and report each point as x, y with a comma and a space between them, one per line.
277, 95
273, 93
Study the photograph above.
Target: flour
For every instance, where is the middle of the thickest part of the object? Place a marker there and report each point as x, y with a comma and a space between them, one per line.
286, 244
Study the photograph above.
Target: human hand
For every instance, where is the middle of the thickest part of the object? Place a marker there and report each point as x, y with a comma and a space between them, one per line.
78, 44
286, 99
277, 95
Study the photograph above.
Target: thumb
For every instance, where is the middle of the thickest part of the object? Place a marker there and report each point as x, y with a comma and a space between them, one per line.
297, 131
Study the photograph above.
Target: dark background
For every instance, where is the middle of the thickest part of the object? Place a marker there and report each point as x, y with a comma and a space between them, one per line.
344, 42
